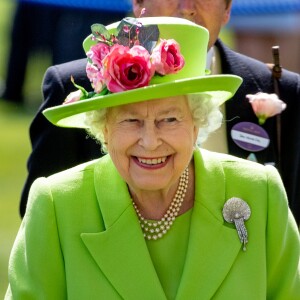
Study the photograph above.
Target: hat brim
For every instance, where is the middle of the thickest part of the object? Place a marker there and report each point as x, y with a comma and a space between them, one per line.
220, 87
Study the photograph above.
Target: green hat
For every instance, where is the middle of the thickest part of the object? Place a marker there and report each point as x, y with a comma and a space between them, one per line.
177, 49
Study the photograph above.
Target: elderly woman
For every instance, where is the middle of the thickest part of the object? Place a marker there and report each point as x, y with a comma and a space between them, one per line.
156, 218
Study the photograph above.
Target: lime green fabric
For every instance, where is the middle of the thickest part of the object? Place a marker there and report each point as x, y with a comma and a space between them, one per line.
81, 238
168, 254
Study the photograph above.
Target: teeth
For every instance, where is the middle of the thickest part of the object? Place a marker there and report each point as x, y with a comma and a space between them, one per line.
153, 161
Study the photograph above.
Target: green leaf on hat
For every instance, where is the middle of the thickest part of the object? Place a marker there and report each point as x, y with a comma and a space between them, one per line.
130, 30
100, 33
148, 37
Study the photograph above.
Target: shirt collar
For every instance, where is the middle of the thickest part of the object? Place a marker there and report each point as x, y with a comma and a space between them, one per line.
213, 61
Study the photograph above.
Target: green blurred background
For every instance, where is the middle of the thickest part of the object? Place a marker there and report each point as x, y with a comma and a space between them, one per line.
14, 148
14, 141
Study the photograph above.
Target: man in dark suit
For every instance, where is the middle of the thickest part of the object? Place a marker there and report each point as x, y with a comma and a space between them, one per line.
49, 143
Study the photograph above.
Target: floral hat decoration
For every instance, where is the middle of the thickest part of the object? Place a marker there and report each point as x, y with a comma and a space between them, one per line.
142, 59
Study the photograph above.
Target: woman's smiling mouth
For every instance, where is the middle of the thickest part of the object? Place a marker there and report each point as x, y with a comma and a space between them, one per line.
151, 162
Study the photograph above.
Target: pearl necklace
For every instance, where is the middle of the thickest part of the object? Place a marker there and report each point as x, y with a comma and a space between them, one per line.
154, 230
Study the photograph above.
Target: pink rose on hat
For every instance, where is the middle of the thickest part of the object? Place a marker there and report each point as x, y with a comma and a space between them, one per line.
97, 53
127, 68
266, 105
95, 76
128, 59
167, 58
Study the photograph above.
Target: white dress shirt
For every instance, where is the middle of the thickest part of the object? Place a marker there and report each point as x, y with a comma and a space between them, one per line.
217, 140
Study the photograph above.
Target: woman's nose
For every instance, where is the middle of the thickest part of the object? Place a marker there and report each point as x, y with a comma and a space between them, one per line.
150, 138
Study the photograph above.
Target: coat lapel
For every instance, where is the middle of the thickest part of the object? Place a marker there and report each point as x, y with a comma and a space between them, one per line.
120, 250
213, 247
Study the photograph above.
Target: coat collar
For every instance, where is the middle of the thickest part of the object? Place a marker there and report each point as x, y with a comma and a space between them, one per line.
121, 252
213, 247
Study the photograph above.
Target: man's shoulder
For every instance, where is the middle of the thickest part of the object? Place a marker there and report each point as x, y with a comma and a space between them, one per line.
234, 59
239, 63
65, 69
58, 77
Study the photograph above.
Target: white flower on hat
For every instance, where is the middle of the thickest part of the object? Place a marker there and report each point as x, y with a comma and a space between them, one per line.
73, 97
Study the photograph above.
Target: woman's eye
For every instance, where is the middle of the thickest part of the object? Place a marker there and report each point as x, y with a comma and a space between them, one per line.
130, 123
131, 120
167, 122
170, 120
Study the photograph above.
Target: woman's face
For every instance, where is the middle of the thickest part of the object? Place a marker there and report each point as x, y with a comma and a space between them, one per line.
151, 143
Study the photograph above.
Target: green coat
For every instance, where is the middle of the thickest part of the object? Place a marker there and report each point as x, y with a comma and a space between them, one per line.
81, 239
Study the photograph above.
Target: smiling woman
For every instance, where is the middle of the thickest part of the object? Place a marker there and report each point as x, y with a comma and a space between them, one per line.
156, 216
141, 134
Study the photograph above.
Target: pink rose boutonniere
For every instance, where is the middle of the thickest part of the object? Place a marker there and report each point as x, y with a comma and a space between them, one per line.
127, 60
266, 105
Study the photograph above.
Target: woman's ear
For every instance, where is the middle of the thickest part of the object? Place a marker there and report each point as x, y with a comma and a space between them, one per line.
105, 134
196, 132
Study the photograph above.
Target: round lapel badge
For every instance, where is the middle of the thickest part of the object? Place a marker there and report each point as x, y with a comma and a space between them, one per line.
250, 136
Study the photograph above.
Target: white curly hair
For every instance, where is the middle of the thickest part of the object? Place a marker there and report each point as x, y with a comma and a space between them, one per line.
204, 108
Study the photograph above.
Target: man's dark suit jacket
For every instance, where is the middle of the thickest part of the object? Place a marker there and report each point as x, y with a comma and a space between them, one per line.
55, 149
